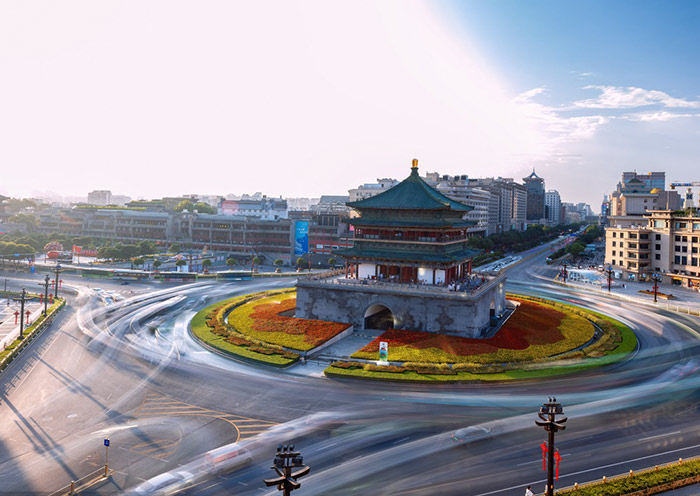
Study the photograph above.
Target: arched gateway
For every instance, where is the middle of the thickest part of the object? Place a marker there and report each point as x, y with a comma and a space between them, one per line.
378, 316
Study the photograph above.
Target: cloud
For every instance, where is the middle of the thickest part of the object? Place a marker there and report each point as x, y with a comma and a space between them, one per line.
618, 97
661, 116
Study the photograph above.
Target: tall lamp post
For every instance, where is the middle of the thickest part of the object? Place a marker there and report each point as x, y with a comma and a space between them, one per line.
656, 278
57, 270
46, 293
285, 460
21, 300
548, 419
609, 270
564, 272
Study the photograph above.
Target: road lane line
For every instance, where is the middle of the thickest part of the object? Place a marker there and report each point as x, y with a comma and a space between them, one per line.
659, 435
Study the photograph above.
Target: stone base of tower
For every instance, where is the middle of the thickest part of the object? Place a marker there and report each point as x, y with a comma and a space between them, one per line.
372, 304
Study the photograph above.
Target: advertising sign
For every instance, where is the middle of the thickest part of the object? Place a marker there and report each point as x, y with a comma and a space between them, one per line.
301, 237
383, 351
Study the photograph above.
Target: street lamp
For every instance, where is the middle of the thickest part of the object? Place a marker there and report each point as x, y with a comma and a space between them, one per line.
565, 273
548, 419
57, 269
22, 299
46, 293
610, 271
285, 460
656, 278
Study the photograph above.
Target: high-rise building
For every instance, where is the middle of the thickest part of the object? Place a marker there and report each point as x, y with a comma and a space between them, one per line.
99, 197
652, 180
535, 197
552, 201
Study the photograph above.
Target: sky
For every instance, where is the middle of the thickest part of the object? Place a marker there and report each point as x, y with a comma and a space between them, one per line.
303, 98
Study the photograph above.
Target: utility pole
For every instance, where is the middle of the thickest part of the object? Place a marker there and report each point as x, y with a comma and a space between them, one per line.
58, 271
285, 460
547, 414
21, 300
656, 278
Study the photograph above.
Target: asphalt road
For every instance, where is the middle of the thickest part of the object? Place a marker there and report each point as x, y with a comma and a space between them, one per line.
129, 371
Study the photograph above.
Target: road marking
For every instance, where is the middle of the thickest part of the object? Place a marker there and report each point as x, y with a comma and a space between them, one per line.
401, 440
659, 435
155, 404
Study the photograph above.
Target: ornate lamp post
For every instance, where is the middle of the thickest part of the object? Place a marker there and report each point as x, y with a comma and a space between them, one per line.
58, 271
548, 419
610, 271
21, 300
285, 460
564, 272
656, 278
46, 293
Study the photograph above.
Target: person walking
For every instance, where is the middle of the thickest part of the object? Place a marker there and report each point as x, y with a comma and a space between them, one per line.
528, 491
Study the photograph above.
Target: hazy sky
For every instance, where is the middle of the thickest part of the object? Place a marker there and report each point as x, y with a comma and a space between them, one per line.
307, 98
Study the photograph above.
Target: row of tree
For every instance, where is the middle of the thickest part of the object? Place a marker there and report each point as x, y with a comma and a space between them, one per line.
514, 241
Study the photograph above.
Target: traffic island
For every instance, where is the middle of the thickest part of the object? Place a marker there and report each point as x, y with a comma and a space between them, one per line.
260, 327
542, 338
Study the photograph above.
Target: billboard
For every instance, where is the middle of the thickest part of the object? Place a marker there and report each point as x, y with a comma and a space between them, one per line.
301, 237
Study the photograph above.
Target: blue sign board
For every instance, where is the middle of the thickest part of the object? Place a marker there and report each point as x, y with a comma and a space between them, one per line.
106, 442
301, 237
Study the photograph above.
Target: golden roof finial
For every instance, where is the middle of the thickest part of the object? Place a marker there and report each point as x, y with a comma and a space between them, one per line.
415, 164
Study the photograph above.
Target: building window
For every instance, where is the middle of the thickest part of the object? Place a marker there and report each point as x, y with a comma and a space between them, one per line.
614, 243
678, 238
694, 262
614, 234
684, 260
677, 248
633, 236
657, 237
657, 247
657, 257
677, 259
613, 253
685, 239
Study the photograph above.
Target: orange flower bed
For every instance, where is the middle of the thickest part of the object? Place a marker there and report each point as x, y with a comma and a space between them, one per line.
531, 324
267, 319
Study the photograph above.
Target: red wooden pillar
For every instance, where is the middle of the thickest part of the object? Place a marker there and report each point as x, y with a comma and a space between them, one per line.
346, 269
469, 266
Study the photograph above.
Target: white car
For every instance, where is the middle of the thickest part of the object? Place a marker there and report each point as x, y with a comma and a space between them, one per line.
227, 459
165, 484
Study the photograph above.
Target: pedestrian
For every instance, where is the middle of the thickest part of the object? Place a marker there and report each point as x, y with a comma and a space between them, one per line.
528, 491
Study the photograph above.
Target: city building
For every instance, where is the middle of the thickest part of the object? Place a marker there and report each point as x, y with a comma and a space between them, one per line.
508, 203
634, 197
666, 242
264, 208
409, 268
368, 190
99, 197
458, 188
552, 201
652, 180
535, 198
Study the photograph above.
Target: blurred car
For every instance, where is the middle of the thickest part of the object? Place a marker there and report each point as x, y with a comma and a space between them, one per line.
227, 459
165, 484
471, 434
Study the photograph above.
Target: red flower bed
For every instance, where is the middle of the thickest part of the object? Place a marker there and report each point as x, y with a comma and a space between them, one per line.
266, 318
531, 324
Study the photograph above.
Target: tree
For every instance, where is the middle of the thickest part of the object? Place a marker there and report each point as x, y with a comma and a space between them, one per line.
301, 261
184, 205
257, 261
332, 261
156, 264
230, 261
180, 263
206, 263
278, 262
576, 248
138, 261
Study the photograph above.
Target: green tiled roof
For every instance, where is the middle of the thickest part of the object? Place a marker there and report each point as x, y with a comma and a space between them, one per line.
437, 223
458, 256
411, 194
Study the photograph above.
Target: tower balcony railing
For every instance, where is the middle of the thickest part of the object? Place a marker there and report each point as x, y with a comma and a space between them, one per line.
468, 288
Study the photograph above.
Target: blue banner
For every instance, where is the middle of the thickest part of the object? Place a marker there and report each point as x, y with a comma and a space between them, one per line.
301, 237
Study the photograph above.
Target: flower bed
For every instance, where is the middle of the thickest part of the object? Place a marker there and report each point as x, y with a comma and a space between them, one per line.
261, 319
535, 331
210, 328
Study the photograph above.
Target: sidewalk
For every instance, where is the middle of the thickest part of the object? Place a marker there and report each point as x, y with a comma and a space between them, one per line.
7, 320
